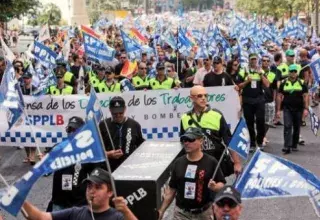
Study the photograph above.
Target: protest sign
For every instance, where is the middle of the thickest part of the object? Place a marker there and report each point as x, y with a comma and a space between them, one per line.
158, 112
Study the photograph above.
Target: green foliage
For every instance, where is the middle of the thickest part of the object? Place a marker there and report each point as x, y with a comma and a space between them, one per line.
49, 13
10, 9
97, 7
275, 8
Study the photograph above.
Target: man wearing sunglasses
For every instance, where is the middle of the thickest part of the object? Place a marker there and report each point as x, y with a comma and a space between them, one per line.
227, 204
125, 133
217, 77
96, 79
293, 99
69, 78
253, 100
214, 126
141, 81
203, 71
191, 180
61, 88
270, 103
161, 81
109, 84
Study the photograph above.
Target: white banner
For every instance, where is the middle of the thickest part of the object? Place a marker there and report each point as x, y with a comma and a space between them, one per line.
158, 112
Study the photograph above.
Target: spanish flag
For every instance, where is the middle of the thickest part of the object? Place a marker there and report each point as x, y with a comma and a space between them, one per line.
88, 30
129, 69
134, 33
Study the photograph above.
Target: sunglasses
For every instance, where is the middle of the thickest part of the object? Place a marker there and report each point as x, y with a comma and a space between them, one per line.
161, 68
291, 56
293, 71
200, 96
185, 139
59, 77
123, 57
229, 202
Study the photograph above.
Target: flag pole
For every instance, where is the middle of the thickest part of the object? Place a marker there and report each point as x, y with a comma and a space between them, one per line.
104, 121
113, 185
8, 186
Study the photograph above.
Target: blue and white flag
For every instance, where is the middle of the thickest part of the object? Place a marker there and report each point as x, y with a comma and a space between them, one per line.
130, 45
314, 119
93, 108
46, 79
184, 44
9, 96
14, 114
45, 55
240, 141
267, 175
97, 49
85, 146
126, 85
315, 67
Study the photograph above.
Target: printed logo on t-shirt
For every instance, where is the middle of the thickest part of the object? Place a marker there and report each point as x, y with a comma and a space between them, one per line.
189, 190
191, 171
67, 182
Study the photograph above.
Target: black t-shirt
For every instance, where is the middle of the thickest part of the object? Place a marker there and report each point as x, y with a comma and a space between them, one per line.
68, 189
293, 100
235, 78
213, 79
126, 136
190, 180
75, 70
83, 213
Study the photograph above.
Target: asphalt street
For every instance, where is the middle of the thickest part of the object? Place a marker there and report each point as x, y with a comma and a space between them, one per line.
294, 208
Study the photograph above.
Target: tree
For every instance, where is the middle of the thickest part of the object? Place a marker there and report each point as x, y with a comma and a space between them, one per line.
15, 8
51, 14
97, 7
274, 8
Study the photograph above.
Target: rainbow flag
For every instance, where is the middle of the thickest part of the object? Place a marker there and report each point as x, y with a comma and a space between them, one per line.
129, 69
90, 31
134, 33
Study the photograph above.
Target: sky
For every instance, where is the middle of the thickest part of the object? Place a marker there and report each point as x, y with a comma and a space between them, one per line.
62, 4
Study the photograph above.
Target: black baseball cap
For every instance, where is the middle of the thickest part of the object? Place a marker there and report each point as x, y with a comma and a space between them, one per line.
99, 176
109, 69
192, 133
75, 122
217, 59
117, 104
27, 75
228, 192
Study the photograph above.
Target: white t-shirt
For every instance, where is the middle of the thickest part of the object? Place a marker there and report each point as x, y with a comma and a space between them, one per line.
200, 74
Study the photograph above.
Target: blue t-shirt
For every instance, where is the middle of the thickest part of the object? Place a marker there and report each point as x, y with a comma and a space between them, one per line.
83, 213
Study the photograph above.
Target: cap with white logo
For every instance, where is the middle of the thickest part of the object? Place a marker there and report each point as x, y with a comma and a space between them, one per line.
99, 175
117, 104
228, 192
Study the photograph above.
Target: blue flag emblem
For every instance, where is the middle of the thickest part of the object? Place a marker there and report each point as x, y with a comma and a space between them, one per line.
240, 141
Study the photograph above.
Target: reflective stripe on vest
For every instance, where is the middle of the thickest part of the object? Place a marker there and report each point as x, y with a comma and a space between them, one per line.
65, 91
102, 87
155, 84
68, 77
138, 82
271, 76
209, 120
254, 76
296, 86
